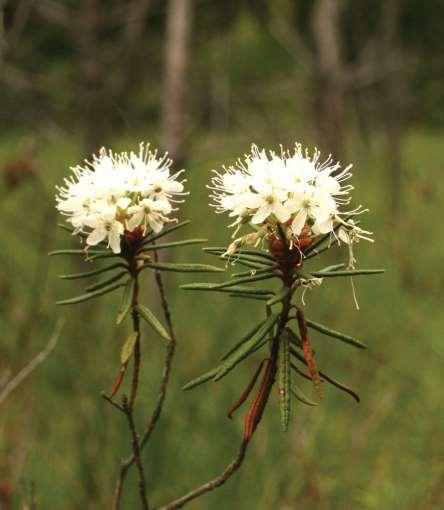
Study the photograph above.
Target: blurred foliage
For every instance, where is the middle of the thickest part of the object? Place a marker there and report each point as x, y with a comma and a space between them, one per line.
56, 432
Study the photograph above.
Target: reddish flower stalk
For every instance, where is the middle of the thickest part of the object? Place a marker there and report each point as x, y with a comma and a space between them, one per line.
308, 353
117, 381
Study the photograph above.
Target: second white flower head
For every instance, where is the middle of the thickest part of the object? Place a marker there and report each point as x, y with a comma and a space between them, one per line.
293, 189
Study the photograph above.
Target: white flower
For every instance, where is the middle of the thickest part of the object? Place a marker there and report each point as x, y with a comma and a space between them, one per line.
294, 190
118, 192
149, 212
105, 226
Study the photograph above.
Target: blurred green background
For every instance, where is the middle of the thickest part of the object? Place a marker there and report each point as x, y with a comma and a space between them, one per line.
363, 80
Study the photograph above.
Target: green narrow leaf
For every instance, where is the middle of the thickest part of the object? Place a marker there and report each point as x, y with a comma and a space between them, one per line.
246, 337
65, 227
128, 348
153, 321
293, 337
74, 252
186, 242
126, 301
90, 295
317, 251
240, 257
247, 347
299, 395
244, 259
334, 267
254, 272
168, 230
284, 381
183, 268
256, 253
241, 295
216, 250
108, 281
335, 334
243, 289
250, 265
87, 274
109, 255
249, 279
201, 379
280, 296
351, 272
325, 377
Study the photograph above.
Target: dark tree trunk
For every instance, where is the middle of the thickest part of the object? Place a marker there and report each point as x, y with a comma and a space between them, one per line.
393, 103
328, 75
178, 28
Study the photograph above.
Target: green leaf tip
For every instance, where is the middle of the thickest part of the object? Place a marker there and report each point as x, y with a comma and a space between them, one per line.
201, 379
90, 295
242, 289
335, 334
351, 272
185, 242
95, 272
183, 268
125, 305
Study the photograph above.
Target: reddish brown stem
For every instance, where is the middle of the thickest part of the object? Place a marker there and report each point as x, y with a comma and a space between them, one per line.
136, 329
136, 449
157, 411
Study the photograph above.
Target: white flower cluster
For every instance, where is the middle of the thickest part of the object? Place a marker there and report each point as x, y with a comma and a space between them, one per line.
115, 193
293, 189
